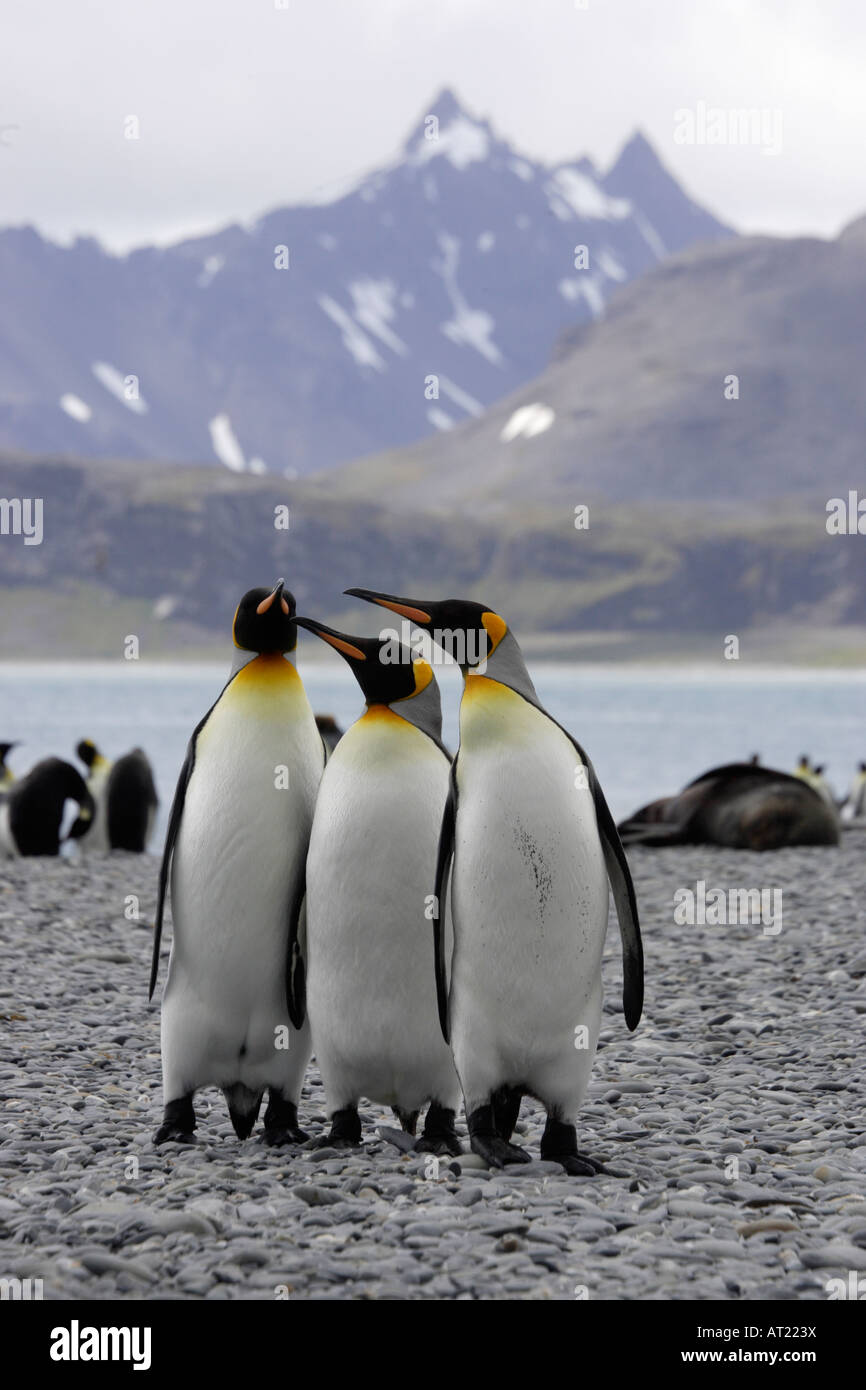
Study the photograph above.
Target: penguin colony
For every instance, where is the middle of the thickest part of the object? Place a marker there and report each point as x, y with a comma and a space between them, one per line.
433, 928
116, 804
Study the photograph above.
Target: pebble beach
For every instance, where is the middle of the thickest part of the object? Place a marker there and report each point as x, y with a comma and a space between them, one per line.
731, 1122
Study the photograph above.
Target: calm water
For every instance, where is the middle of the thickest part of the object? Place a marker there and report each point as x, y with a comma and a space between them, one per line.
647, 732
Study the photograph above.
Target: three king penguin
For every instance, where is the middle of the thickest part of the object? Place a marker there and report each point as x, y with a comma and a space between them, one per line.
298, 905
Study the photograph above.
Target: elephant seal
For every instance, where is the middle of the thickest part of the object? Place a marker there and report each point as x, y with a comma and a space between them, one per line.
741, 805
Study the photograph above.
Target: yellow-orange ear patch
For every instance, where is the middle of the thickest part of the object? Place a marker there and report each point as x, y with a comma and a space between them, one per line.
423, 672
495, 627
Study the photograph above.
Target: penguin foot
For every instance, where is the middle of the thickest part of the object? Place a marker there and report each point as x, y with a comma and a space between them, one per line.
345, 1130
578, 1165
488, 1144
440, 1136
559, 1145
178, 1122
281, 1121
287, 1134
170, 1134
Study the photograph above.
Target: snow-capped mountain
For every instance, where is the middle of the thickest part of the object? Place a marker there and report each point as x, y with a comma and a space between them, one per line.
327, 331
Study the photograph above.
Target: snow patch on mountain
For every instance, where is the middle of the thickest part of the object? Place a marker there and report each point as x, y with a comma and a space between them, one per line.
354, 339
462, 142
610, 266
461, 397
528, 420
469, 327
225, 444
522, 169
76, 407
650, 236
583, 197
373, 302
439, 418
210, 269
115, 382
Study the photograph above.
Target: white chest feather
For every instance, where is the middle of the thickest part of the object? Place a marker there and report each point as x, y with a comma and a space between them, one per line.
530, 884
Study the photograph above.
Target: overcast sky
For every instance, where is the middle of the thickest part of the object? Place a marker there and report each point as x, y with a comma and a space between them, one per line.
244, 105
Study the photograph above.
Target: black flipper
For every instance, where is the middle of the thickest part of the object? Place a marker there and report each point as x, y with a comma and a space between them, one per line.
619, 874
174, 820
443, 865
296, 970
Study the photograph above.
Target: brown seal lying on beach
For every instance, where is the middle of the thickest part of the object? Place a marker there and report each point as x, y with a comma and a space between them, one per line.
742, 805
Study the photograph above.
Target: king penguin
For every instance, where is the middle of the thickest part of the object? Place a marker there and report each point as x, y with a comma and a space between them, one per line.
98, 773
125, 799
7, 776
31, 812
235, 851
370, 988
532, 850
854, 806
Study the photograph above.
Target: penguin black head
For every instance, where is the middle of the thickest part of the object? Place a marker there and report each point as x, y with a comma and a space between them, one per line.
87, 751
265, 621
5, 750
469, 632
386, 670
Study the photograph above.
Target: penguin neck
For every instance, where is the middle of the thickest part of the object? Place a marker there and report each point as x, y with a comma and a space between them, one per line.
424, 711
243, 658
506, 665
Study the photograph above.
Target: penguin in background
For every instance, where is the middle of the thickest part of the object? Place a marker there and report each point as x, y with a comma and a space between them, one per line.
98, 772
854, 806
533, 852
7, 776
803, 768
330, 731
234, 858
370, 986
31, 813
124, 792
131, 802
818, 781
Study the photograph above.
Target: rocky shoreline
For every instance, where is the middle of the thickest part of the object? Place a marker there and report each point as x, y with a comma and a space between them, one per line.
731, 1122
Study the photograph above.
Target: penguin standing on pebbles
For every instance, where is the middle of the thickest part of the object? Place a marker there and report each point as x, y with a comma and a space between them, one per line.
370, 988
235, 851
31, 812
98, 773
125, 799
532, 848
